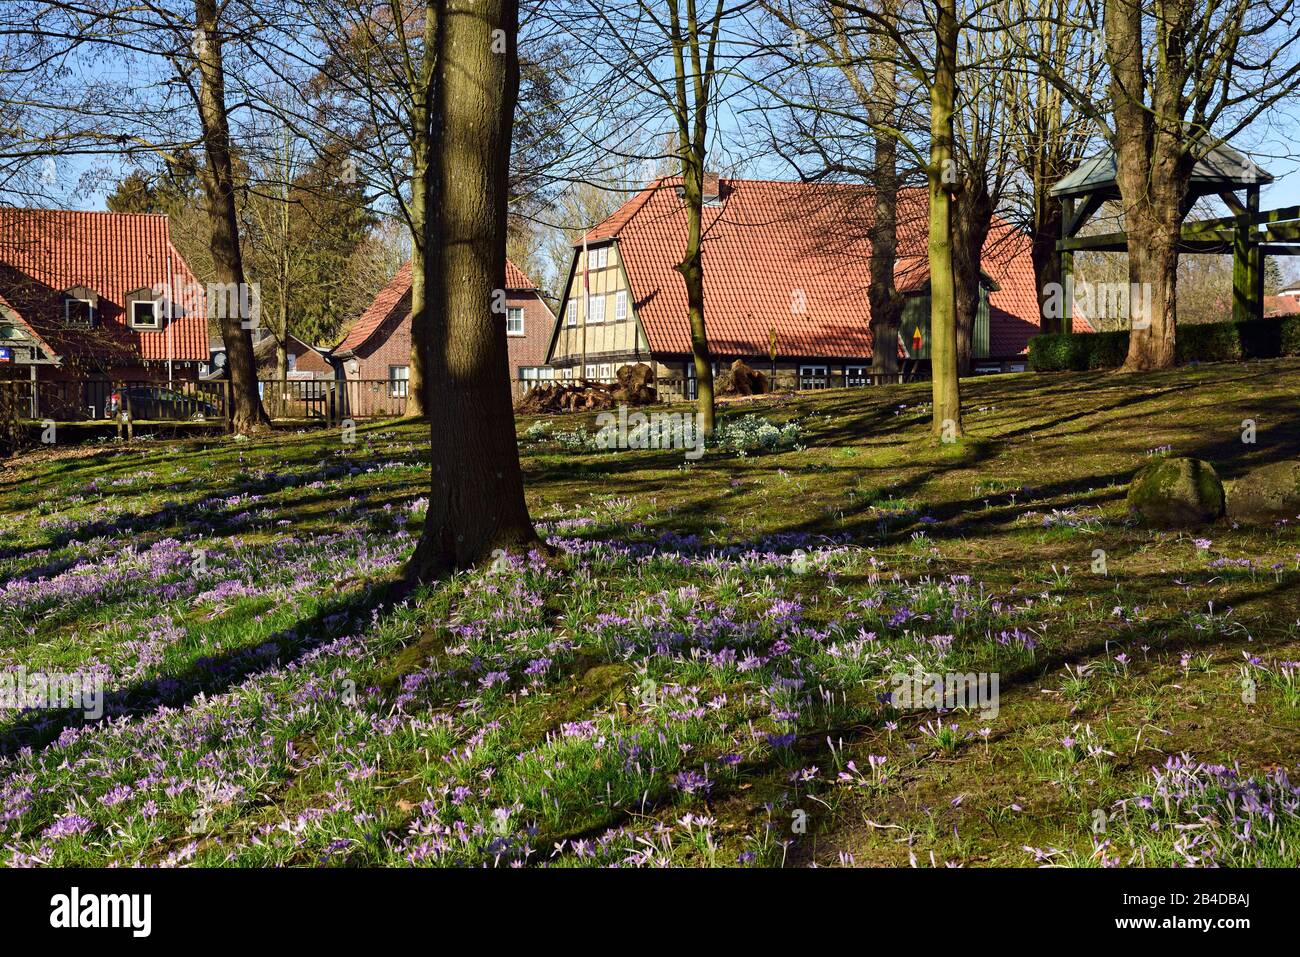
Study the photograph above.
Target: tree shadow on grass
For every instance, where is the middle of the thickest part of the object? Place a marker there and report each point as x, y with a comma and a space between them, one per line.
215, 674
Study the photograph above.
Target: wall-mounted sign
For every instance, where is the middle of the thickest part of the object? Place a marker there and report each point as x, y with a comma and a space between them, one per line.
6, 354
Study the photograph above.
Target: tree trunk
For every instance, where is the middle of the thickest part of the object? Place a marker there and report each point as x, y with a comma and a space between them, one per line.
692, 269
1153, 172
423, 259
281, 359
972, 215
946, 422
882, 295
1048, 217
476, 500
247, 414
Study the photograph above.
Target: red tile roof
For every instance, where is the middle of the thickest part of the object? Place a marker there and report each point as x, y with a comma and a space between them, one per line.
45, 252
395, 299
1281, 306
772, 248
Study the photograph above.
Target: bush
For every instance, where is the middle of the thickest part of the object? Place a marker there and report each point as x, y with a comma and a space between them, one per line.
1210, 342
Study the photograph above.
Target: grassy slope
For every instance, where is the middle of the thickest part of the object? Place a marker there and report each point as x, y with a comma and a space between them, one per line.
1020, 507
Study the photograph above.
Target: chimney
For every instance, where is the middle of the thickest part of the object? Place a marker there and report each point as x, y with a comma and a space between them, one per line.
712, 190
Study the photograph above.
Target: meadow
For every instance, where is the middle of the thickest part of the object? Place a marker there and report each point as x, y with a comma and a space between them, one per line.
697, 672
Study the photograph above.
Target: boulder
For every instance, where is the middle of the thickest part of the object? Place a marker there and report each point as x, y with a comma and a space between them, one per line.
1176, 492
1267, 494
740, 379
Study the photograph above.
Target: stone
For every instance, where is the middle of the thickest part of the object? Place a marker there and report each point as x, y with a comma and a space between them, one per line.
1176, 492
1266, 494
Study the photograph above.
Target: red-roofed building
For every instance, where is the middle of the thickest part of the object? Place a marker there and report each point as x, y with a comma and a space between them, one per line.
783, 261
378, 345
84, 295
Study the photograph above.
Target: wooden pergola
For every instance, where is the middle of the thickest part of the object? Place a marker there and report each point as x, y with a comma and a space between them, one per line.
1248, 234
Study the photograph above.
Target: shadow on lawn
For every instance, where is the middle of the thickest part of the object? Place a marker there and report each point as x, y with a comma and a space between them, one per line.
215, 674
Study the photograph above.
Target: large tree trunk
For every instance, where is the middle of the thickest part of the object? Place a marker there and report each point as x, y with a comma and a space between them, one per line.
972, 217
692, 269
218, 179
1048, 217
946, 422
426, 144
882, 295
476, 502
1153, 172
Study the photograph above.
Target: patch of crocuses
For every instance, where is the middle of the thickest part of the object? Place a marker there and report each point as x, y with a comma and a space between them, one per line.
262, 708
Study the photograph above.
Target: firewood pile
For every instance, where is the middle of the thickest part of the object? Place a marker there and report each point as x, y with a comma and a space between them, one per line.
633, 388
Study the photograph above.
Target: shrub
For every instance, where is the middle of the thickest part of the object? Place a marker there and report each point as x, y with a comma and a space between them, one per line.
1209, 342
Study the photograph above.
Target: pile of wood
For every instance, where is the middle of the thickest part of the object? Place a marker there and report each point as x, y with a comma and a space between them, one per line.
633, 388
740, 379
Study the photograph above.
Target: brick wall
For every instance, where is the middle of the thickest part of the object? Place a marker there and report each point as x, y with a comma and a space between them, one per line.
530, 348
391, 343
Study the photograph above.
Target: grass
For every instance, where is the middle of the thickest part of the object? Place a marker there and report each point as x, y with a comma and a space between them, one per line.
702, 677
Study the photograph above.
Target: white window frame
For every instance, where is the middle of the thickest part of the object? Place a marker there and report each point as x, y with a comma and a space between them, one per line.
600, 258
157, 314
812, 375
90, 311
571, 313
857, 375
594, 315
394, 381
591, 372
605, 372
512, 313
620, 306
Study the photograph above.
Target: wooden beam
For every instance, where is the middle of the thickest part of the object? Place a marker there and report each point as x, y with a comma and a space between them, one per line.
1219, 241
1285, 214
1233, 203
1075, 218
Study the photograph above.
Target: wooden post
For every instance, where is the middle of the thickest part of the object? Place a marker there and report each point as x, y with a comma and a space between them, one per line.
230, 419
1067, 269
130, 416
1243, 280
1256, 253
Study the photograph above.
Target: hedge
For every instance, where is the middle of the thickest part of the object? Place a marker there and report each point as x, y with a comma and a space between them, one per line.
1208, 342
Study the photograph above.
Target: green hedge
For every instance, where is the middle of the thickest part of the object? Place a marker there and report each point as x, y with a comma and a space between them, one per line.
1209, 342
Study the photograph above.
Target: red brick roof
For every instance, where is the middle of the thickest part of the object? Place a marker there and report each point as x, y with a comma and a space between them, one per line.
45, 252
773, 247
395, 299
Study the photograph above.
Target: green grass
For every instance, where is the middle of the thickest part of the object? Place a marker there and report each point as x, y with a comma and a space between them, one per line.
700, 703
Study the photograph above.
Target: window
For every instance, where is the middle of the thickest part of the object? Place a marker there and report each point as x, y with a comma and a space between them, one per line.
605, 372
144, 314
514, 322
597, 308
591, 372
292, 361
79, 313
812, 377
399, 378
599, 258
856, 375
620, 305
571, 313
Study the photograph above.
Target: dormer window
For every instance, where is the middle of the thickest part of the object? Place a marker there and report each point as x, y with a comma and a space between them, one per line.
78, 311
144, 314
144, 310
